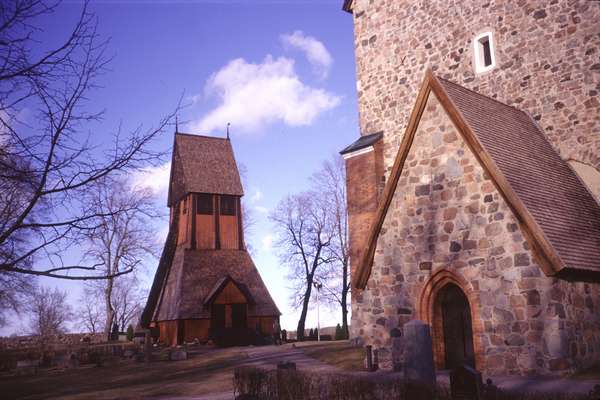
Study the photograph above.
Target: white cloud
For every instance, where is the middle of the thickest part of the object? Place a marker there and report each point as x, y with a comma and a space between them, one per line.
155, 179
267, 242
261, 209
315, 51
256, 95
256, 196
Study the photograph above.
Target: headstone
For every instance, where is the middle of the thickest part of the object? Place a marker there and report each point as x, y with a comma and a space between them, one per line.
369, 357
491, 391
148, 346
286, 365
178, 355
465, 383
114, 334
73, 360
418, 352
595, 393
27, 367
397, 349
375, 360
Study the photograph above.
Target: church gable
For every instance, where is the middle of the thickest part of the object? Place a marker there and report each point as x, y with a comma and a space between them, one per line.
448, 226
445, 213
550, 205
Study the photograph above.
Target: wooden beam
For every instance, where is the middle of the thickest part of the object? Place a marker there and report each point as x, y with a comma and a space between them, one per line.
240, 225
194, 200
217, 203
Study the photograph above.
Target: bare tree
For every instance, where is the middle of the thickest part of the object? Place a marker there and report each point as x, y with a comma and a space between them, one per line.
330, 184
90, 315
129, 300
49, 163
121, 241
248, 220
304, 233
50, 312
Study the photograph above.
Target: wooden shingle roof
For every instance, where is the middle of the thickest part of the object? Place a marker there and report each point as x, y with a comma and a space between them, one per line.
193, 276
559, 202
203, 164
558, 215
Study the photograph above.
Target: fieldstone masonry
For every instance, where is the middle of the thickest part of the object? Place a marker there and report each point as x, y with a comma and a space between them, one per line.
447, 222
547, 56
418, 359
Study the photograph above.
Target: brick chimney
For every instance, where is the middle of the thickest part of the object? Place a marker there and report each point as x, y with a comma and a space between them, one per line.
364, 186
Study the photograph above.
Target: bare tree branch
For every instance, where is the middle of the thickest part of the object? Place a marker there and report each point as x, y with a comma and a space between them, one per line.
48, 164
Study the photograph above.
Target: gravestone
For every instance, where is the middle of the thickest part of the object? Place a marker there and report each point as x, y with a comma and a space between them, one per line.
148, 346
465, 383
397, 349
27, 367
287, 365
418, 353
369, 358
178, 354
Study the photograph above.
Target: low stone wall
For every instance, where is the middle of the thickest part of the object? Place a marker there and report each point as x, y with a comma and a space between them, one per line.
32, 341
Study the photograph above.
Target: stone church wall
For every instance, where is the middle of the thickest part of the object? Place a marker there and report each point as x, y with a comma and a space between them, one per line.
547, 56
448, 223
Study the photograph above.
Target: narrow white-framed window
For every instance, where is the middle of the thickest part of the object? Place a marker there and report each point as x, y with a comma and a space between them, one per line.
484, 52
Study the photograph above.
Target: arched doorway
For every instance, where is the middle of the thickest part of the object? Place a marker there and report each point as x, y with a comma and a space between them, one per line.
452, 308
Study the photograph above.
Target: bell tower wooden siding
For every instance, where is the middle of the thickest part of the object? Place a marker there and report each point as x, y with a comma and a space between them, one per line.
221, 228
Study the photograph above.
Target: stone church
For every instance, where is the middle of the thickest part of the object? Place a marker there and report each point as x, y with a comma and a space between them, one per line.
473, 191
206, 285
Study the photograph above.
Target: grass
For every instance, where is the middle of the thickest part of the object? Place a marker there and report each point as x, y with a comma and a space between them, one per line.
203, 373
339, 353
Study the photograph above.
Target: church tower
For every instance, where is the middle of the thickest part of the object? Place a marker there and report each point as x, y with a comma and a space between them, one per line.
206, 285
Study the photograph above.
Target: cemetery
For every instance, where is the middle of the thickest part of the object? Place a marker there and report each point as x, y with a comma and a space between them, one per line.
420, 219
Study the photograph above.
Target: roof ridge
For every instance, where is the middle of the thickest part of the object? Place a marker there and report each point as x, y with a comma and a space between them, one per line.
480, 95
200, 136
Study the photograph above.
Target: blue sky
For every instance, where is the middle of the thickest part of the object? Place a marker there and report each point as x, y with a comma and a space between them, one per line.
282, 72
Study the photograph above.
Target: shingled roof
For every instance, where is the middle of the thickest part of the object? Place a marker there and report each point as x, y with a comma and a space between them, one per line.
203, 164
193, 275
557, 213
362, 142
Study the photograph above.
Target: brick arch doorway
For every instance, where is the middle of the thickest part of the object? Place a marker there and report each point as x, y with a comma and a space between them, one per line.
430, 311
451, 306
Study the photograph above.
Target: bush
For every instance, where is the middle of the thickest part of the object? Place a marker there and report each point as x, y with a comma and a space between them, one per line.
255, 383
260, 384
130, 333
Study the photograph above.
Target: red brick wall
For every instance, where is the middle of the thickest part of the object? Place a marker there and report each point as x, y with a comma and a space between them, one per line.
364, 174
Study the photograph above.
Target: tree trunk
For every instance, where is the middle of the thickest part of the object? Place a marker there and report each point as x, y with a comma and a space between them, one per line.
110, 312
345, 289
302, 320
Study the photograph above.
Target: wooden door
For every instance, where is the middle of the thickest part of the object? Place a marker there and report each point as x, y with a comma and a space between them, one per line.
238, 316
458, 331
218, 316
180, 331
